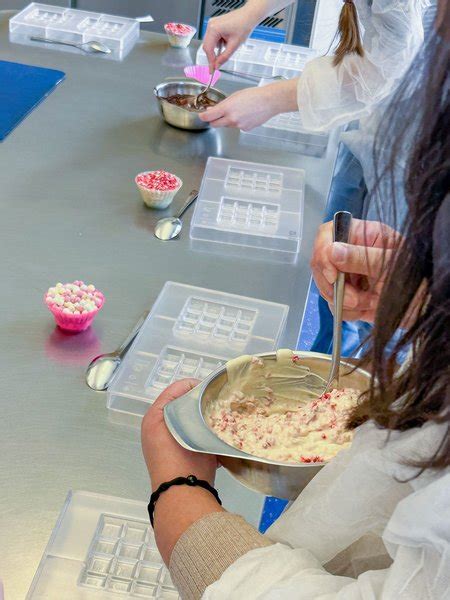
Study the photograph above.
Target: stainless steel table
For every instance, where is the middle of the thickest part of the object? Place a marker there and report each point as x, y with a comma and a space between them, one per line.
69, 210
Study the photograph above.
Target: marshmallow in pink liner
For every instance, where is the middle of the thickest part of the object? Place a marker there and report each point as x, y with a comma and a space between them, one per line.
179, 34
157, 188
74, 305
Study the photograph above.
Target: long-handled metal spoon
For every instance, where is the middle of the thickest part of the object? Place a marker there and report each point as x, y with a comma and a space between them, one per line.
341, 232
204, 93
102, 369
92, 46
169, 227
250, 76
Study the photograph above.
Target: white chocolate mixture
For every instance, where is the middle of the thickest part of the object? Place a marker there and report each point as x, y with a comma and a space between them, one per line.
265, 410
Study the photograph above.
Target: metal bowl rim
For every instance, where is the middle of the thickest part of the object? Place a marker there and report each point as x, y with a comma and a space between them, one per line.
181, 81
268, 355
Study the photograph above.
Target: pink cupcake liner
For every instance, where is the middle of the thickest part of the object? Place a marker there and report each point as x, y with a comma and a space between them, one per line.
201, 73
74, 322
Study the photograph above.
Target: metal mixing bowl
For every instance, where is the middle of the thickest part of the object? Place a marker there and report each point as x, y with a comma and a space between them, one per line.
177, 115
185, 419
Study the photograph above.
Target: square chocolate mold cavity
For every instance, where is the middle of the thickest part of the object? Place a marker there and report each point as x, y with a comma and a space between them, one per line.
117, 585
106, 547
100, 565
110, 527
92, 581
125, 569
135, 533
48, 16
148, 574
253, 181
247, 215
222, 322
144, 590
151, 556
175, 364
130, 551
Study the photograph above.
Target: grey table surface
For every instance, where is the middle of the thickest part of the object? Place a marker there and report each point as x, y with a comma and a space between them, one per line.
69, 209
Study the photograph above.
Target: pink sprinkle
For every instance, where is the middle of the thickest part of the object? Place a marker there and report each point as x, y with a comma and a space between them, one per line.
158, 180
178, 29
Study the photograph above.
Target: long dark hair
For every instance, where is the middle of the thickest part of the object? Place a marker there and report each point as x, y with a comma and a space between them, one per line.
416, 125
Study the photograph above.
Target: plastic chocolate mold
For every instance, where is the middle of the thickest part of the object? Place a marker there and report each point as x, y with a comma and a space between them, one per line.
265, 59
248, 215
84, 558
257, 182
189, 333
74, 26
130, 565
211, 319
251, 205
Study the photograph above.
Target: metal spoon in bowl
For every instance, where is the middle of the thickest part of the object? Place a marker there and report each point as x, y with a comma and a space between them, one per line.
204, 93
341, 232
102, 369
91, 47
311, 383
169, 227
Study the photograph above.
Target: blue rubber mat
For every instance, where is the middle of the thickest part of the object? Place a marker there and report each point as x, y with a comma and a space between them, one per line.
22, 88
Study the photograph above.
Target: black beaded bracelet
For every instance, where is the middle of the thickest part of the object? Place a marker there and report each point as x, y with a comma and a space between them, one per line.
190, 480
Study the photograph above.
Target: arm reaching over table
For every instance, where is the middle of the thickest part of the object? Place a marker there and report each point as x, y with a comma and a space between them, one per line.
232, 29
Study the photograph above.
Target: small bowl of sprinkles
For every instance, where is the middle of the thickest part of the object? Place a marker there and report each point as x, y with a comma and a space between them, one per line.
179, 34
157, 188
74, 305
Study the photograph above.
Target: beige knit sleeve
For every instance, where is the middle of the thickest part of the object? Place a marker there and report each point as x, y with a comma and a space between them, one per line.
207, 548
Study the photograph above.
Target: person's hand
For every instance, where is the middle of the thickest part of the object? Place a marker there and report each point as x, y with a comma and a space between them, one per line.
228, 31
364, 260
165, 458
251, 107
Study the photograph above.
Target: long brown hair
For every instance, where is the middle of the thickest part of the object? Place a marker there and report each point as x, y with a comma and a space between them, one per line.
348, 32
416, 124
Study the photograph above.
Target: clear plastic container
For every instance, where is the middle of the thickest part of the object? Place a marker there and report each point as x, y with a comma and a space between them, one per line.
101, 546
190, 332
253, 205
265, 59
286, 132
119, 34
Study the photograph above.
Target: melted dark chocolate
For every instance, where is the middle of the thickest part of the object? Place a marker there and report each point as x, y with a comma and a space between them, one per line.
187, 101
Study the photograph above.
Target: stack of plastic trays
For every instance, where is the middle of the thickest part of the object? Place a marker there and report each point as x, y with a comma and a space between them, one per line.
191, 332
250, 208
119, 34
265, 59
102, 547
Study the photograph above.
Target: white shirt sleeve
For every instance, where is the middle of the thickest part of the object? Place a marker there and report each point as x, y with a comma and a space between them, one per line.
356, 494
392, 34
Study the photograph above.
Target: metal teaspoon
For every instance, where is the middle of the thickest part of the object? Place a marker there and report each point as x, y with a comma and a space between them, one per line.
102, 369
169, 227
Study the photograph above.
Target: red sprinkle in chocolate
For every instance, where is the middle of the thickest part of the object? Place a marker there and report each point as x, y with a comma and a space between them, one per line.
158, 180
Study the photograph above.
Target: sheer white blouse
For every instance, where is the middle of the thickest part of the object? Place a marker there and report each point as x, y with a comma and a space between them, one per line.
392, 32
359, 531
